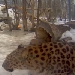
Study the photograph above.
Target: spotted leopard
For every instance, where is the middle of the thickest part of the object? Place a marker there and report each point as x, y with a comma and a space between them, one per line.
57, 58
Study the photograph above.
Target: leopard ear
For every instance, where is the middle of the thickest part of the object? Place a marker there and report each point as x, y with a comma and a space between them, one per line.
20, 46
25, 53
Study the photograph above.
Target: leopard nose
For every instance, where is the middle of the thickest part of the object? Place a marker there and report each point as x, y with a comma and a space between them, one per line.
10, 70
6, 68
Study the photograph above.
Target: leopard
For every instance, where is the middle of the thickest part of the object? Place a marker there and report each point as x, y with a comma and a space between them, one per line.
50, 58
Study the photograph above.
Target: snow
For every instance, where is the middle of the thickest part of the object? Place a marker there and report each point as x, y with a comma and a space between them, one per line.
60, 22
70, 33
11, 13
9, 42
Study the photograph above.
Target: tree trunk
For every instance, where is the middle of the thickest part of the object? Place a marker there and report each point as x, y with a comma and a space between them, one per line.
9, 21
24, 15
38, 16
16, 14
32, 7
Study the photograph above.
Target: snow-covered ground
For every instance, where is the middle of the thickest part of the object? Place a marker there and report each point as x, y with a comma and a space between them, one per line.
9, 42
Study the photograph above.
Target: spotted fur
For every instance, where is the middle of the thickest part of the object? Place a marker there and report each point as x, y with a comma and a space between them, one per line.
57, 58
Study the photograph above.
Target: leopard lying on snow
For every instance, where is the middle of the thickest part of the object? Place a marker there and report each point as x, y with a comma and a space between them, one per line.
57, 58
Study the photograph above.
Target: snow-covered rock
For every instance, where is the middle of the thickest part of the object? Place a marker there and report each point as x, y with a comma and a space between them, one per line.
70, 33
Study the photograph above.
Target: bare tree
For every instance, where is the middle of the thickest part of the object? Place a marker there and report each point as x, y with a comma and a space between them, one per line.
9, 21
24, 12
